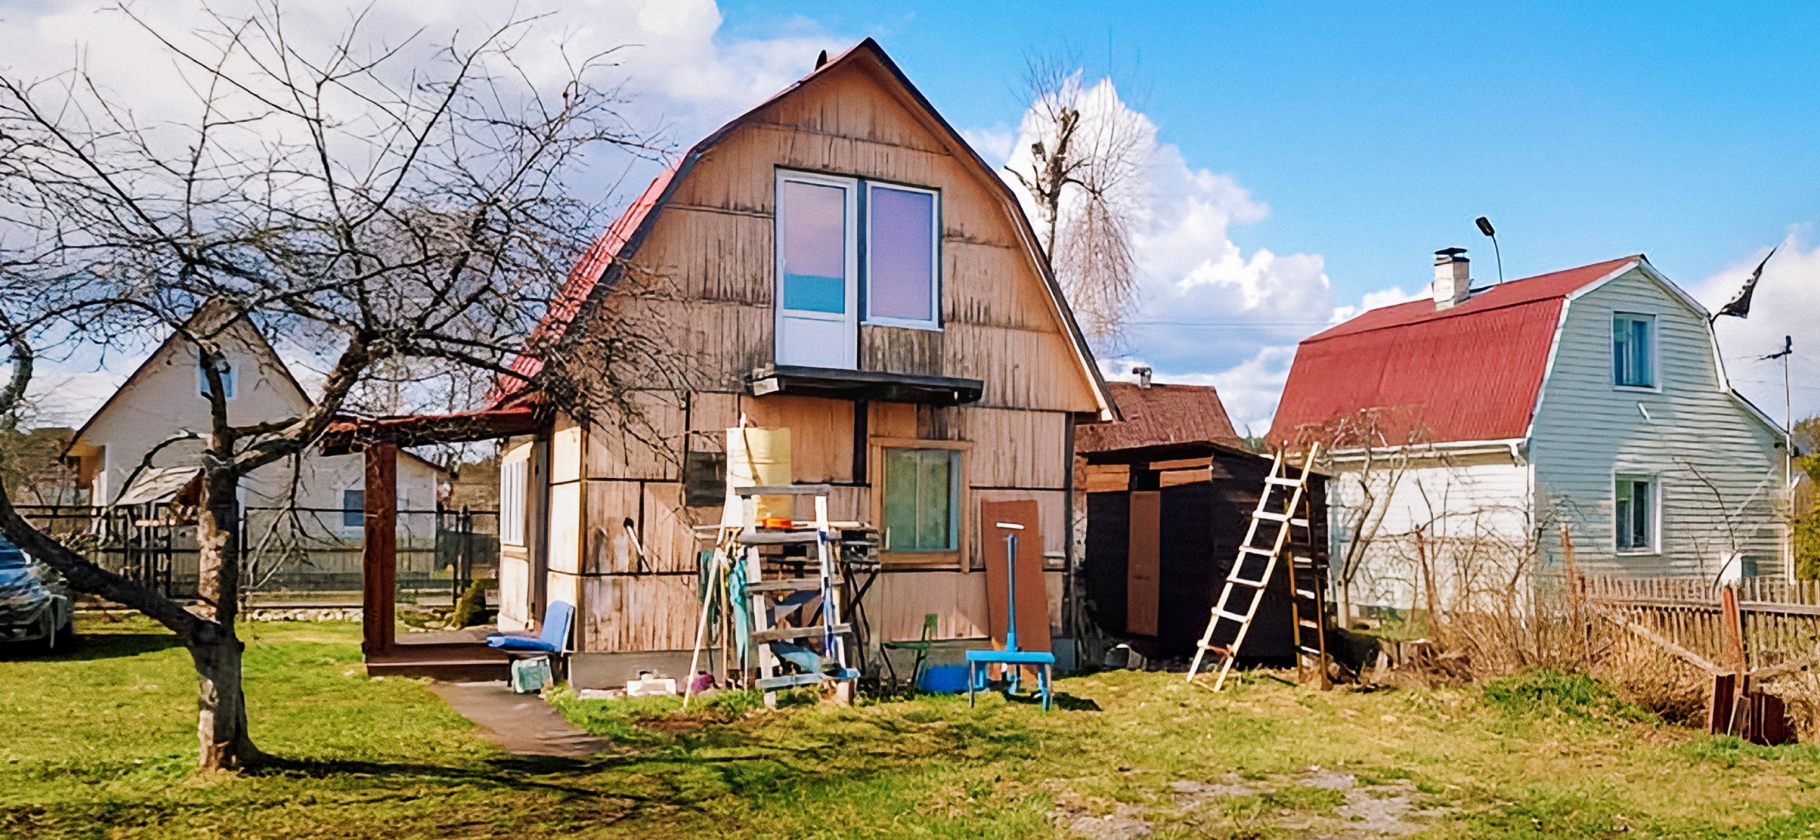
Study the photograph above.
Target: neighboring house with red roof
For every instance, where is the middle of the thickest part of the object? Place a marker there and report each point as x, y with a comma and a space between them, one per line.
1488, 419
836, 263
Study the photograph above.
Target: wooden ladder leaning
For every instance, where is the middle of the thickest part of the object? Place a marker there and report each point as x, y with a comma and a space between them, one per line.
1254, 568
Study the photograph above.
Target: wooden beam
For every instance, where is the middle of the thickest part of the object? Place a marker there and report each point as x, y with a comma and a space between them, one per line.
379, 560
1694, 659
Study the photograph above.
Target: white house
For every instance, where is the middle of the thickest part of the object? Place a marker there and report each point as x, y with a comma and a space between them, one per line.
163, 399
1473, 429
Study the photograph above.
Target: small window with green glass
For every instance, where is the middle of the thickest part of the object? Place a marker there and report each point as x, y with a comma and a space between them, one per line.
922, 500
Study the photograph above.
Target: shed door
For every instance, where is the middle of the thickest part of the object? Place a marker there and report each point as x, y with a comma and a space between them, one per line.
1143, 562
817, 271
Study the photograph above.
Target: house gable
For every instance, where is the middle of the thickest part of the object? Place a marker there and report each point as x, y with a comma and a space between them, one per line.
707, 241
1716, 459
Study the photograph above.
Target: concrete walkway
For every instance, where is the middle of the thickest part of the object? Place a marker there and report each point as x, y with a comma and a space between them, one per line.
519, 723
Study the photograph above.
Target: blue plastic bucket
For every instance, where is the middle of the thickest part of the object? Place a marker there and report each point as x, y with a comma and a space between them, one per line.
944, 679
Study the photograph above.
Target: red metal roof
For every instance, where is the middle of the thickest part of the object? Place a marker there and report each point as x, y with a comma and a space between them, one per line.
582, 278
1160, 414
1410, 373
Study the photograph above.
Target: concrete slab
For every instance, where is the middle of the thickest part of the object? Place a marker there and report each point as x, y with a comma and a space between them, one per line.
520, 723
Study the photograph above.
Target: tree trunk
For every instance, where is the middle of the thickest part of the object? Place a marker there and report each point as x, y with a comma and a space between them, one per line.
221, 706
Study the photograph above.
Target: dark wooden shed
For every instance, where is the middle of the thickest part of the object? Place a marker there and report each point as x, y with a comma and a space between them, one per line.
1164, 524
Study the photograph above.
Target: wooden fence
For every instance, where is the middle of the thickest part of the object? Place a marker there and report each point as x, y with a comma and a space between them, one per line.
1742, 634
1779, 620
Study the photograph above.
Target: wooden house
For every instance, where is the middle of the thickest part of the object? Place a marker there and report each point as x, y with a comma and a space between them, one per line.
836, 262
1168, 493
1473, 430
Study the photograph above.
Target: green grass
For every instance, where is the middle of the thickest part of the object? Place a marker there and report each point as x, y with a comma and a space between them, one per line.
98, 742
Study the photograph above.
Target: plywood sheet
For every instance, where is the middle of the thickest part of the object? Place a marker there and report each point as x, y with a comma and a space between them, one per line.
821, 433
1143, 562
1051, 512
1031, 589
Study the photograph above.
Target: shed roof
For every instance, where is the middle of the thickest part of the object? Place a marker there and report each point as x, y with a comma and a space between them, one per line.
1160, 414
1410, 373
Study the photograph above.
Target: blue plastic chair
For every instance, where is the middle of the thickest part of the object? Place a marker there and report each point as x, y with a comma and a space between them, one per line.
554, 639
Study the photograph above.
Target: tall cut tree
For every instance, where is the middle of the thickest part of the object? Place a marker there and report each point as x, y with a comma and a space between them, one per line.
1086, 162
382, 203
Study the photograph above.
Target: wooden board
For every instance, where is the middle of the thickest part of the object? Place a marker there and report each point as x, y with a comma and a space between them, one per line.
1032, 589
1105, 478
609, 505
1143, 562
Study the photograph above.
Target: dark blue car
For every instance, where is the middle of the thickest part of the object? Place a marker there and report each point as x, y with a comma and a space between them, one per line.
34, 602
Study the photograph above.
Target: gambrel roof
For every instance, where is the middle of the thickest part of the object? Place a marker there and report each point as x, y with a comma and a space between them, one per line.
599, 268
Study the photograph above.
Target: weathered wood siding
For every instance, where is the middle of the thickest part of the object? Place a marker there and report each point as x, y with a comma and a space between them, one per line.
1718, 466
709, 252
702, 282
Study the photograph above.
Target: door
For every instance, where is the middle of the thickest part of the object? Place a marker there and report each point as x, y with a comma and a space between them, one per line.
1143, 562
817, 295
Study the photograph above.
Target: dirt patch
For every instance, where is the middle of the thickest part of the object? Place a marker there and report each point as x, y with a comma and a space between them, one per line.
1387, 810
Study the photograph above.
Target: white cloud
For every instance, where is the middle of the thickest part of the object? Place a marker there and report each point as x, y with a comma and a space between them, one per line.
1786, 303
1209, 312
681, 77
993, 144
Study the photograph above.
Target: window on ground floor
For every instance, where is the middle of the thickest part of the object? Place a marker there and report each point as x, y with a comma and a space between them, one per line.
922, 500
1637, 501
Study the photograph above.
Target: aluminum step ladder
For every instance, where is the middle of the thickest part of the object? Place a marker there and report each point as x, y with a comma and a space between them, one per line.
1254, 567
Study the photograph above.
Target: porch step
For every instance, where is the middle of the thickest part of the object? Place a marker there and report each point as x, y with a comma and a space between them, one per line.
452, 662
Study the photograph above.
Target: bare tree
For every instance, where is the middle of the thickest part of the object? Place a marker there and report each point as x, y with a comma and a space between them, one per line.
380, 202
1086, 163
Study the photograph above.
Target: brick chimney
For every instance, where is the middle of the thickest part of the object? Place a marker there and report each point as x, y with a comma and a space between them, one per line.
1453, 278
1143, 375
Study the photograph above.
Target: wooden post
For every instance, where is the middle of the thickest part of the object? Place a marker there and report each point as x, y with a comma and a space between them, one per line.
1428, 586
1732, 620
1576, 596
379, 560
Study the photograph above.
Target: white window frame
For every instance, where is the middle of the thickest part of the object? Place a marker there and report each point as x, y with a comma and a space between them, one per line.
934, 321
1655, 350
1655, 514
228, 382
849, 319
514, 487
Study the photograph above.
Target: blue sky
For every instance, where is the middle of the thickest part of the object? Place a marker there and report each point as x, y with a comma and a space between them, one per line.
1309, 157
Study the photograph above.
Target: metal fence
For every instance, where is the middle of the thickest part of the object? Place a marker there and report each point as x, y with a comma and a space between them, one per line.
286, 551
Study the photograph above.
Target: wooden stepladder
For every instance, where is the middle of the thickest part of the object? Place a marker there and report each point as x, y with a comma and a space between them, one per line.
797, 620
1279, 505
